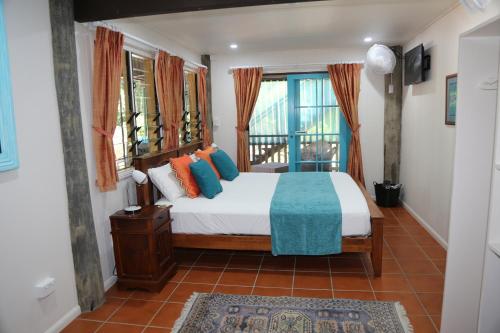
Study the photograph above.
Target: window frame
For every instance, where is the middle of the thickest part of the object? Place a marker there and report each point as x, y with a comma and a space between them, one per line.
194, 118
131, 111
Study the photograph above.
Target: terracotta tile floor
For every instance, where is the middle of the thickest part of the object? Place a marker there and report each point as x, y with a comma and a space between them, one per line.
413, 273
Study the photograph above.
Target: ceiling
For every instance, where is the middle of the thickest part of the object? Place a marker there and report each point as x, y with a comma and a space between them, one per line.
312, 25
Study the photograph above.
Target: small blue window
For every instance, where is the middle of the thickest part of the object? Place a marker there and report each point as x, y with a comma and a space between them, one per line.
8, 147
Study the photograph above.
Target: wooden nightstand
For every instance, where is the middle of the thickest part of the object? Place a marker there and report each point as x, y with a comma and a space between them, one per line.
143, 248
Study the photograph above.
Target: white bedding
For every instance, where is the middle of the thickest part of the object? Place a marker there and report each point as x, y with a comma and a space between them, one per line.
243, 207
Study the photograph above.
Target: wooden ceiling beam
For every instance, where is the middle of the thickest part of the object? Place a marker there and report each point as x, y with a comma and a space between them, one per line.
98, 10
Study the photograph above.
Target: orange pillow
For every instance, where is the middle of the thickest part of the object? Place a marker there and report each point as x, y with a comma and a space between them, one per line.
205, 155
180, 165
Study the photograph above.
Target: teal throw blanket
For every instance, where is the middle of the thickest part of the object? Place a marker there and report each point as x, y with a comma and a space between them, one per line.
306, 217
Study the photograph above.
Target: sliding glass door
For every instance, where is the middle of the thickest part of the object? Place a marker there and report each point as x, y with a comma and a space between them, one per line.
317, 131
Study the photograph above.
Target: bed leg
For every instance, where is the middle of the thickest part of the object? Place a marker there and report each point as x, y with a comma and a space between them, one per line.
377, 245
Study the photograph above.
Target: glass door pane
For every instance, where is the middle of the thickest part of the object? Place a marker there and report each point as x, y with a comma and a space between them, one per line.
268, 127
307, 132
316, 126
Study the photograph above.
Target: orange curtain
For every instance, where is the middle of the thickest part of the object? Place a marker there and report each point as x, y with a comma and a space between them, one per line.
345, 80
202, 104
161, 82
174, 98
246, 87
169, 77
108, 48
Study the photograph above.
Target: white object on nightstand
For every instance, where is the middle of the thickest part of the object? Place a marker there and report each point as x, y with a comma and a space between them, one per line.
140, 178
132, 209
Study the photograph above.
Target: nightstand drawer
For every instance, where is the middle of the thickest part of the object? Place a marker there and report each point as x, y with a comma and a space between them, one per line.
161, 219
129, 226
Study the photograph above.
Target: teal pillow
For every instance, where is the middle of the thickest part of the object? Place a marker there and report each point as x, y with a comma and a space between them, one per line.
224, 165
206, 179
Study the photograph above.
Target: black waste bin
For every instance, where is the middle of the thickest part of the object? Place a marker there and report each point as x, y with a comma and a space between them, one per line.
387, 193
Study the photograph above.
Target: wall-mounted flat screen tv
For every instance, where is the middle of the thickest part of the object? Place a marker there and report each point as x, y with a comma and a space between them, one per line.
414, 66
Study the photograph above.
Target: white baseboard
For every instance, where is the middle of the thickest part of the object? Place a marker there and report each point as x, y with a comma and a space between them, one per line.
65, 320
426, 226
75, 312
109, 282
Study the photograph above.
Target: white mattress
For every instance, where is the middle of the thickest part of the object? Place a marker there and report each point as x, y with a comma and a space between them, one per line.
244, 204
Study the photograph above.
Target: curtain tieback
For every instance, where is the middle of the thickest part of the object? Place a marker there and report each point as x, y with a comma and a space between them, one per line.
355, 130
241, 130
103, 132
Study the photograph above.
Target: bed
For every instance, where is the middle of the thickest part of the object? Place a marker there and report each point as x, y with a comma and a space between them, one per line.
238, 218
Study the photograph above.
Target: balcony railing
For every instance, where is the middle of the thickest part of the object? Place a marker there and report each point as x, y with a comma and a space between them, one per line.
274, 149
268, 149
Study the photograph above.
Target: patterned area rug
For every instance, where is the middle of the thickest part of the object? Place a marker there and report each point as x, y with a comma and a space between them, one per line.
258, 314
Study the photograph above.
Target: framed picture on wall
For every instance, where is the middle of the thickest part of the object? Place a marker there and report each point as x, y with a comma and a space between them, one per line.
451, 100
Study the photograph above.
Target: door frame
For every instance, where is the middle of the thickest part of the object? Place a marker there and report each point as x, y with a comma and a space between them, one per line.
344, 130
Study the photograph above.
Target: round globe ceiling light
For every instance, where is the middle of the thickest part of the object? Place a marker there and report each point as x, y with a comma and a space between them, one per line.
380, 59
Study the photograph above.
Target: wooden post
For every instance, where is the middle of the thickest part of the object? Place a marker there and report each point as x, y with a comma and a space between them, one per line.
392, 118
88, 275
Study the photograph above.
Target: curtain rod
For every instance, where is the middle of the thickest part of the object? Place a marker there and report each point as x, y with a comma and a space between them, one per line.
140, 40
296, 65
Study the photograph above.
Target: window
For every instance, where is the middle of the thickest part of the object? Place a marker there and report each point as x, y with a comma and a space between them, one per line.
120, 141
138, 130
297, 121
190, 129
139, 127
268, 127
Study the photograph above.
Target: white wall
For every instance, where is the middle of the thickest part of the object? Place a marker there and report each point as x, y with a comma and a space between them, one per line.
471, 186
489, 321
371, 100
428, 145
105, 204
154, 38
34, 224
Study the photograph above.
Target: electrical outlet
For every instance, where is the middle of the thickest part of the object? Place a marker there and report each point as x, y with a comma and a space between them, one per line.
45, 287
391, 89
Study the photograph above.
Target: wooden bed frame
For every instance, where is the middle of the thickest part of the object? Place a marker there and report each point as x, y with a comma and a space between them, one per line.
147, 194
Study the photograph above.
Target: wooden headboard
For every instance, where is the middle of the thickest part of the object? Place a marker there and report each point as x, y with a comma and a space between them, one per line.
147, 193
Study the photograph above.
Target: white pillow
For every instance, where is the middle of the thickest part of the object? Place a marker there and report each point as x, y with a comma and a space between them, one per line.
165, 180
